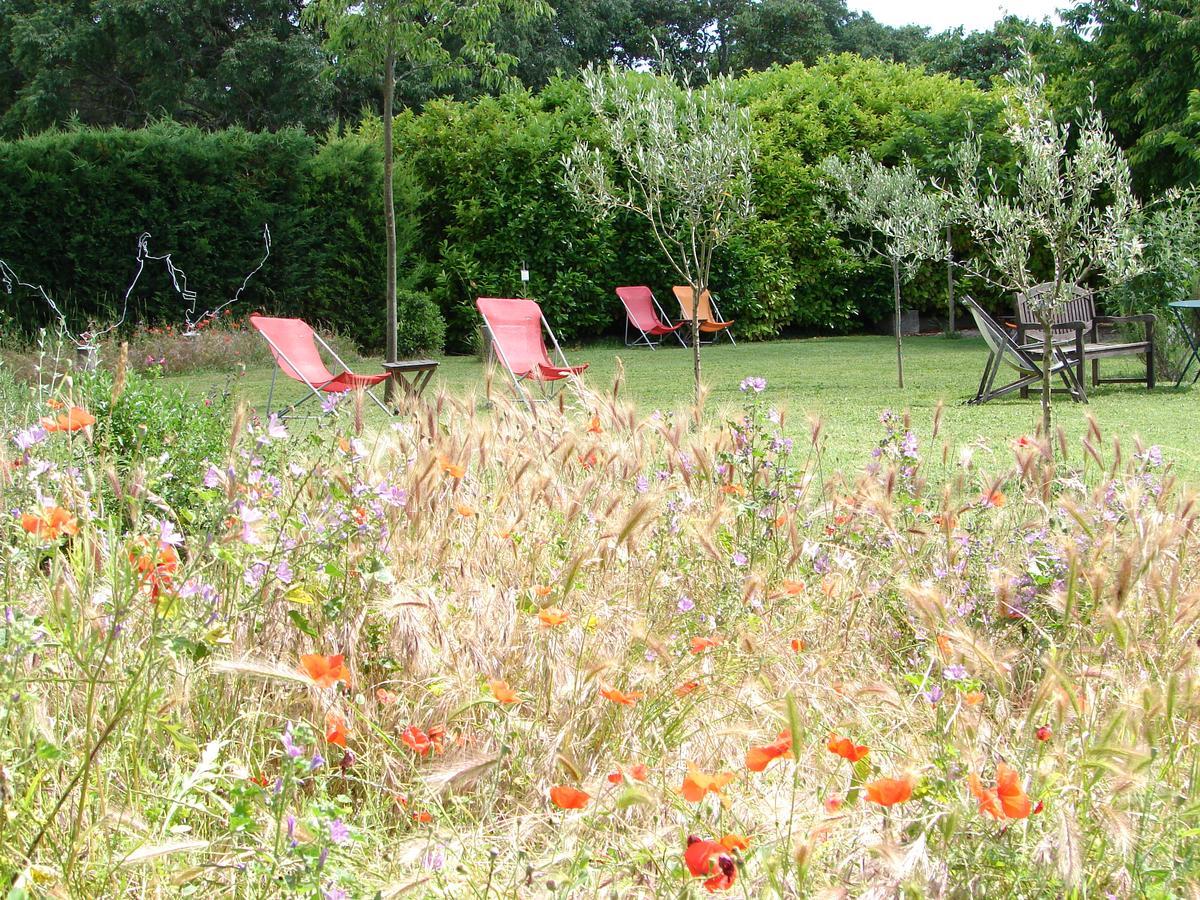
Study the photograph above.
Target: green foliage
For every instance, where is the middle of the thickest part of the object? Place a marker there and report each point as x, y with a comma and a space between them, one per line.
124, 62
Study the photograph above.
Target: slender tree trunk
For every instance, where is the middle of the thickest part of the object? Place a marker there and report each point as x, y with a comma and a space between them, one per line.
950, 279
389, 207
899, 347
696, 292
1047, 363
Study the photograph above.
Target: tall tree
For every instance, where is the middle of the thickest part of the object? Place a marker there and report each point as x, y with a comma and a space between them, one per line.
1070, 217
1142, 57
440, 41
767, 32
684, 157
120, 62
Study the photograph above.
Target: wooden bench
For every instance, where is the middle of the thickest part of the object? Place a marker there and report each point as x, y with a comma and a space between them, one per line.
1076, 322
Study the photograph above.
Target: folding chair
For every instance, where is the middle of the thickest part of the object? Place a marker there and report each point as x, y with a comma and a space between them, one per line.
643, 313
1003, 350
294, 345
514, 329
708, 306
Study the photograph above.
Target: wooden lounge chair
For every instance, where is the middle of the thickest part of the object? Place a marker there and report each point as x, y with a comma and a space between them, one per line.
709, 324
1077, 323
643, 313
1025, 359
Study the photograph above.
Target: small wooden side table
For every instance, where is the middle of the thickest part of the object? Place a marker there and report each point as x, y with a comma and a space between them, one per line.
412, 375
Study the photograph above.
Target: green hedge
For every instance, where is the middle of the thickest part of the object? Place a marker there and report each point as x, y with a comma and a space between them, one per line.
478, 194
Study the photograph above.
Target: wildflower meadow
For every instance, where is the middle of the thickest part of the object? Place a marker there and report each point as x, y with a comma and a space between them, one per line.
585, 652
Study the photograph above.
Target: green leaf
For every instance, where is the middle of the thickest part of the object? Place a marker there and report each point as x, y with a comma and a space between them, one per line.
302, 623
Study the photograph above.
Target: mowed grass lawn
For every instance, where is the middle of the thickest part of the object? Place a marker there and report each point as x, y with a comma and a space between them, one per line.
847, 382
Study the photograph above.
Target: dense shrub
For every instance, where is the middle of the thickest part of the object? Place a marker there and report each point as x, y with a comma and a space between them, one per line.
478, 194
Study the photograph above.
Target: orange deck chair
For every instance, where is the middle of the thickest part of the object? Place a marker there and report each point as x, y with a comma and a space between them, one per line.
643, 313
515, 329
708, 306
293, 343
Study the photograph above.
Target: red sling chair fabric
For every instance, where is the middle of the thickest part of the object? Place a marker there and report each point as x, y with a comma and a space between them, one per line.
294, 346
639, 306
516, 328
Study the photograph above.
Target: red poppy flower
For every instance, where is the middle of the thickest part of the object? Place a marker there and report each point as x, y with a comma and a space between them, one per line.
75, 419
566, 797
711, 861
686, 688
551, 617
847, 749
798, 645
335, 729
416, 740
502, 692
697, 784
758, 758
424, 817
1007, 800
637, 772
51, 524
620, 697
994, 499
1044, 733
889, 791
700, 644
325, 671
386, 697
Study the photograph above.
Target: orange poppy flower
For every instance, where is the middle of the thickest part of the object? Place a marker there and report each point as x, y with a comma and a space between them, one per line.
758, 758
454, 470
798, 645
386, 697
973, 698
943, 643
51, 524
686, 688
889, 791
335, 729
424, 817
566, 797
847, 749
734, 841
54, 403
700, 644
416, 740
326, 671
781, 520
697, 784
620, 697
1007, 800
594, 426
792, 588
542, 590
502, 692
994, 499
465, 511
712, 861
75, 419
1044, 733
616, 777
638, 772
735, 490
551, 616
589, 459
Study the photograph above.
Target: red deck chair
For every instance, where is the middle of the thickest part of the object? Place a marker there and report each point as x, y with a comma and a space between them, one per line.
515, 328
294, 345
643, 313
709, 324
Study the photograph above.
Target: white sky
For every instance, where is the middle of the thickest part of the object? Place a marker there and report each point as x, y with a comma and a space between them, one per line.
973, 15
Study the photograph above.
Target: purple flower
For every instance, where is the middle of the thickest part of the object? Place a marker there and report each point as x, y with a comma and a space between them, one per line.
27, 437
255, 574
331, 401
685, 604
339, 832
213, 477
642, 484
168, 533
334, 893
956, 672
754, 383
434, 858
275, 428
283, 571
740, 559
294, 750
317, 761
934, 694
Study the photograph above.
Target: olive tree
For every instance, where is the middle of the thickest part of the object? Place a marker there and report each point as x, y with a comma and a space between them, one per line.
1069, 217
683, 159
903, 219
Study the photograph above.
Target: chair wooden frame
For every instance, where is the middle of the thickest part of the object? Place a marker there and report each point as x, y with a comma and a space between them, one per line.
1076, 322
1003, 350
